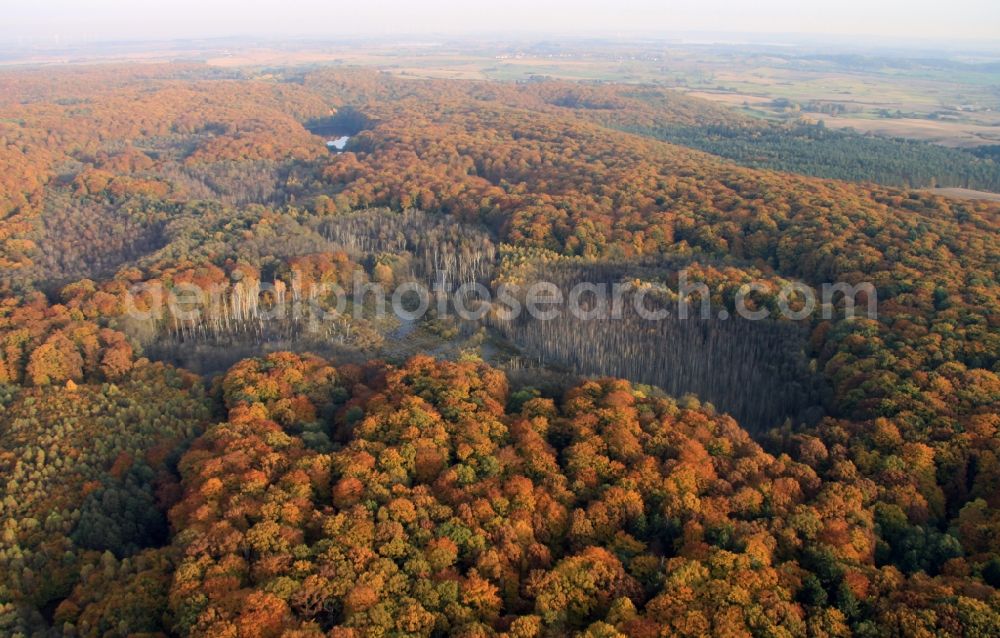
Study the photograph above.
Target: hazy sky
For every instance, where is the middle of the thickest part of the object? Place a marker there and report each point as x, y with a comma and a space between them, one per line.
72, 20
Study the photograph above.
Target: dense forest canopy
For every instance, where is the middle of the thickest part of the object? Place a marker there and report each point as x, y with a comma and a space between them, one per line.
811, 149
370, 492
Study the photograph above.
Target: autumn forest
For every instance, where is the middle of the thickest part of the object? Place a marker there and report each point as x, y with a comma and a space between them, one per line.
251, 472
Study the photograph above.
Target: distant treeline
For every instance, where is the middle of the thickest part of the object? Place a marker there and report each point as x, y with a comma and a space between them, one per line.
812, 149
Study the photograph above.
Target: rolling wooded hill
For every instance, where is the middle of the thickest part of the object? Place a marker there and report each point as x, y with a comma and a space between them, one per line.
306, 495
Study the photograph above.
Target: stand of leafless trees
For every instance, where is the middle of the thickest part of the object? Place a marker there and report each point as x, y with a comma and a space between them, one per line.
435, 245
756, 371
229, 182
249, 311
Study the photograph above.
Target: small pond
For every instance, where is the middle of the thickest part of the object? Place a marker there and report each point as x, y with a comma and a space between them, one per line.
338, 144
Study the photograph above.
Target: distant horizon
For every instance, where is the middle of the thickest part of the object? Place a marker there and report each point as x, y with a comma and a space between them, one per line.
836, 43
966, 23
